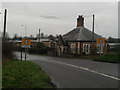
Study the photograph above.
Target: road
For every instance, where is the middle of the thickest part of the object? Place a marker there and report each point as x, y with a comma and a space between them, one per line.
74, 73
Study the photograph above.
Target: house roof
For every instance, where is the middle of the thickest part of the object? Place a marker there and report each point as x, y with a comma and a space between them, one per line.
80, 34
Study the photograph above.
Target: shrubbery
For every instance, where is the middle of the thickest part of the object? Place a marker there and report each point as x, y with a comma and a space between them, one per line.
40, 45
43, 50
7, 49
39, 49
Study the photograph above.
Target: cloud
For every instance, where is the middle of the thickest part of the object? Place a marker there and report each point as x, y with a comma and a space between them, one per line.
49, 17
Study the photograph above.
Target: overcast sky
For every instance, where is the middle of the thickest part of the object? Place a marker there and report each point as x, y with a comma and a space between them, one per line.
60, 17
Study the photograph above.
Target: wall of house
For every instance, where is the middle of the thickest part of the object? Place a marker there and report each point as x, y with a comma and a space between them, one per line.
78, 48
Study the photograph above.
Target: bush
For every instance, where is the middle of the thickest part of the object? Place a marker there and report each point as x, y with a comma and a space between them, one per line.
43, 50
7, 49
40, 45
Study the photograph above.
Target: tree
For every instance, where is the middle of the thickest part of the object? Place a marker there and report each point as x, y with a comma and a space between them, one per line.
15, 36
42, 35
51, 37
6, 35
40, 45
31, 37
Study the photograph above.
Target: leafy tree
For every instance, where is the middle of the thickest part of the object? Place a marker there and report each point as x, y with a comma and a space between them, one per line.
52, 37
6, 35
15, 36
40, 45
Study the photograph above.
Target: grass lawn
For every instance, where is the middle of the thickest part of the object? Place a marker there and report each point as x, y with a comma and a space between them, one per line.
24, 74
112, 57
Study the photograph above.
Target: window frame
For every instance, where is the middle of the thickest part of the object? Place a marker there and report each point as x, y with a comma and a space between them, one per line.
86, 48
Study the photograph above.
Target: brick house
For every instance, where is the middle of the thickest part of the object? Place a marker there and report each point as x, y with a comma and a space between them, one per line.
79, 41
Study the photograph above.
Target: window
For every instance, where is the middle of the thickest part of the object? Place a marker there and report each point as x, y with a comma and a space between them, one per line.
73, 48
86, 48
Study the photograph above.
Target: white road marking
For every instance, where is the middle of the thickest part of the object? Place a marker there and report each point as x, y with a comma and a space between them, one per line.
86, 69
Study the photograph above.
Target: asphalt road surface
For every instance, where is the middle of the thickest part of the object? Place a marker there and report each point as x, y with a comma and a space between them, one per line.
74, 73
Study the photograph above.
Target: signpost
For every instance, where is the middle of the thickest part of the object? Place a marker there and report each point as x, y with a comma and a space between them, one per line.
100, 43
25, 44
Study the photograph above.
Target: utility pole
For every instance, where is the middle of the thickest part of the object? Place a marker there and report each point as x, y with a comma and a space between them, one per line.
39, 35
4, 32
93, 34
93, 28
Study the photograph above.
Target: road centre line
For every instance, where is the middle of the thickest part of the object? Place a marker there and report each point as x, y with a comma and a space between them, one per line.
86, 69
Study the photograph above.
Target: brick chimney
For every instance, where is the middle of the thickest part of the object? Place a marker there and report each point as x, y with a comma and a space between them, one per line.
80, 21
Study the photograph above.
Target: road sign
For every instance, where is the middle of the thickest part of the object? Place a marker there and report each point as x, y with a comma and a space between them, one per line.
100, 44
25, 46
100, 41
26, 42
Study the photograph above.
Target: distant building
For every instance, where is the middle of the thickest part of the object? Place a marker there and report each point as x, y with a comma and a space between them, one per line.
79, 41
34, 41
113, 44
45, 40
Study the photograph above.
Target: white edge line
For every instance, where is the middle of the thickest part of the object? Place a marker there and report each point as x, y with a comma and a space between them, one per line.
87, 69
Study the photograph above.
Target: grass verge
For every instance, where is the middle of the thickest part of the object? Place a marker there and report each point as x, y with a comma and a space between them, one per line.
24, 74
112, 57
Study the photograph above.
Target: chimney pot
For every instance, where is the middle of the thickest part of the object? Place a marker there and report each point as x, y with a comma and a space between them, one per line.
80, 21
